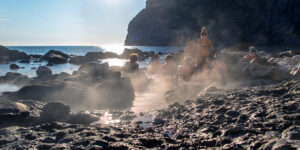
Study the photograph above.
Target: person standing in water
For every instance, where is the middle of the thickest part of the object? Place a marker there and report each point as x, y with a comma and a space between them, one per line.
205, 52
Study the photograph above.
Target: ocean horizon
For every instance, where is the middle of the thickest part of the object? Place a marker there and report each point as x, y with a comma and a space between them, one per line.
82, 50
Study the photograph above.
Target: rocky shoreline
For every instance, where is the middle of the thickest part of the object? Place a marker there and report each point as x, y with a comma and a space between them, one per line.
261, 109
259, 117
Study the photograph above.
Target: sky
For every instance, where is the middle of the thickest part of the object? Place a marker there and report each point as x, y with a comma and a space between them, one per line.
66, 22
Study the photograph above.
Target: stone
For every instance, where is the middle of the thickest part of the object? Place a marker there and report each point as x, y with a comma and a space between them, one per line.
55, 111
56, 57
158, 121
7, 55
78, 60
25, 61
15, 78
13, 107
85, 119
43, 71
232, 113
13, 66
116, 93
292, 133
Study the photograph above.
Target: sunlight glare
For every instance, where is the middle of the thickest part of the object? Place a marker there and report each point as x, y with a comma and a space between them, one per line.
115, 48
115, 62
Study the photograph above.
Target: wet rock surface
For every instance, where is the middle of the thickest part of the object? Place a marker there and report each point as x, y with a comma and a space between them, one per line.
55, 57
259, 117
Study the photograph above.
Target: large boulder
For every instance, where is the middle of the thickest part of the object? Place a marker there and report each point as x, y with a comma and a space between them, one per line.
95, 69
108, 55
73, 94
13, 66
56, 57
265, 71
79, 60
94, 56
142, 55
7, 55
44, 72
25, 61
15, 78
82, 118
62, 76
115, 93
55, 111
15, 114
13, 107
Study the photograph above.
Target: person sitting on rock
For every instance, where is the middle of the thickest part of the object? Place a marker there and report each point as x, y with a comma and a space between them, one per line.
154, 66
132, 65
186, 71
205, 51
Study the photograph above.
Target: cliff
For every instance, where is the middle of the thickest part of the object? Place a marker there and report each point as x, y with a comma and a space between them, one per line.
260, 22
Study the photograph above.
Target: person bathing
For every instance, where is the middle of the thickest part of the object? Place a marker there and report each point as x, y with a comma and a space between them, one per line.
205, 52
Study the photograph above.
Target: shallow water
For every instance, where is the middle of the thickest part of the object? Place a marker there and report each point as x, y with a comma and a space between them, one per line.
8, 88
30, 69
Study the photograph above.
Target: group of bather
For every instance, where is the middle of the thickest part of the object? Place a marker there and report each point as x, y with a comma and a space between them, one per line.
198, 57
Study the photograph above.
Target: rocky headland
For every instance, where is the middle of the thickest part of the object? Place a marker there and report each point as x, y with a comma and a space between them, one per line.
259, 22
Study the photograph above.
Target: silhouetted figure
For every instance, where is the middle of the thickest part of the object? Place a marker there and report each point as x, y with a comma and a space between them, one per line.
205, 51
132, 65
186, 70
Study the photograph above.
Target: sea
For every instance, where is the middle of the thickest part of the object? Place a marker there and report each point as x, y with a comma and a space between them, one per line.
29, 69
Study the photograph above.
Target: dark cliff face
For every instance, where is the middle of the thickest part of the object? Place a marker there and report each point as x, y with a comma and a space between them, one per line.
260, 22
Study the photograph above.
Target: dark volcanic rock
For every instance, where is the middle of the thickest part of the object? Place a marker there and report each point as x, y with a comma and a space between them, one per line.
83, 119
25, 61
70, 93
44, 72
15, 78
171, 22
15, 113
78, 60
7, 55
94, 56
55, 111
142, 55
14, 67
56, 57
116, 93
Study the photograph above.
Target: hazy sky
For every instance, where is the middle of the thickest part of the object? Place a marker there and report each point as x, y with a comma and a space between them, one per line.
66, 22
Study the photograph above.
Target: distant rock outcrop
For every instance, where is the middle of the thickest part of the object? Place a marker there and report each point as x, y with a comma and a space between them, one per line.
260, 22
7, 55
